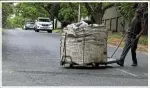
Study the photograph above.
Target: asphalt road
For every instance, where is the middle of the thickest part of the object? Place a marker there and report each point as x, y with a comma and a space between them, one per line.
32, 59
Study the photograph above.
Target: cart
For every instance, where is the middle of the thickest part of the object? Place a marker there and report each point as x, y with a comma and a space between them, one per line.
82, 52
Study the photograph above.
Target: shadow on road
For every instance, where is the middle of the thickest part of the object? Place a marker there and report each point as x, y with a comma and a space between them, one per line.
90, 68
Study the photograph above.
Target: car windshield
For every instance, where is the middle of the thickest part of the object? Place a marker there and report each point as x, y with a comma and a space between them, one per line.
44, 20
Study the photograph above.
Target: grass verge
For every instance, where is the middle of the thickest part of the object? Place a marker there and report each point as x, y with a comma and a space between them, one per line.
115, 38
57, 30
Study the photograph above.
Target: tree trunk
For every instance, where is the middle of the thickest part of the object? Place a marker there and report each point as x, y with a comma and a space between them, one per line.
53, 23
56, 23
96, 18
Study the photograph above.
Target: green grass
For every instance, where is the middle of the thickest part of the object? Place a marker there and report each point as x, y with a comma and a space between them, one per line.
115, 39
57, 30
115, 35
143, 39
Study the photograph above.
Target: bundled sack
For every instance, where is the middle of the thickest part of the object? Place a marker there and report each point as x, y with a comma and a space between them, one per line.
85, 44
72, 28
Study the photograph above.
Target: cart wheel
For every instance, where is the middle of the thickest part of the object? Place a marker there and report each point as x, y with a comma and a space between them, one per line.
62, 63
71, 65
93, 64
96, 65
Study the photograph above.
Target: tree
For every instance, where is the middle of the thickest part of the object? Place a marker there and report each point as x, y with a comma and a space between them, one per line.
69, 11
97, 10
63, 11
17, 21
60, 11
30, 11
24, 12
127, 11
6, 12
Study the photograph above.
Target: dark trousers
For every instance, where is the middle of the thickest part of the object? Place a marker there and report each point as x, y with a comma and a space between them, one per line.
130, 42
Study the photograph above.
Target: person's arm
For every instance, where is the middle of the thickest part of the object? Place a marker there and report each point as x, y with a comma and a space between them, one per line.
142, 30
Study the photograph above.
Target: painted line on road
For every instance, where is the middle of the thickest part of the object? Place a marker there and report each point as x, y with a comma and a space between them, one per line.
128, 73
146, 74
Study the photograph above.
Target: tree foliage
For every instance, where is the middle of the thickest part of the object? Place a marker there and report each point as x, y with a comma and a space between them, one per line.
60, 11
126, 10
25, 12
30, 11
69, 11
65, 11
17, 21
52, 9
97, 10
6, 12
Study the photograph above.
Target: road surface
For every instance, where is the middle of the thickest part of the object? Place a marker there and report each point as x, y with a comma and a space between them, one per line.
32, 59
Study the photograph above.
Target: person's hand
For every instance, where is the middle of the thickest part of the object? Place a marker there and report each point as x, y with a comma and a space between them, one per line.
138, 36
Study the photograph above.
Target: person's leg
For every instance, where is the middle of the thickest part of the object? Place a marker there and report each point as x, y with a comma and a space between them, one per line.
125, 50
133, 52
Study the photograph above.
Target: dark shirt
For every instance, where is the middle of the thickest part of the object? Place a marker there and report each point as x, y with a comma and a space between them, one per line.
135, 26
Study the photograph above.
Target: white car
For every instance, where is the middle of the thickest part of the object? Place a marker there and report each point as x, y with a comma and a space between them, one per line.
29, 25
43, 24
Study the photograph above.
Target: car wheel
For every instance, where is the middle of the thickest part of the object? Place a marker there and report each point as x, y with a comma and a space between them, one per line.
37, 30
49, 31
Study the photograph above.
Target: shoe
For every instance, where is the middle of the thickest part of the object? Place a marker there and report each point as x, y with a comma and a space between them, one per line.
119, 63
134, 64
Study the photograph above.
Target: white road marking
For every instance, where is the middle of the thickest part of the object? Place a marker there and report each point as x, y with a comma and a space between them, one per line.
146, 74
8, 71
128, 73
